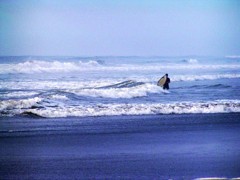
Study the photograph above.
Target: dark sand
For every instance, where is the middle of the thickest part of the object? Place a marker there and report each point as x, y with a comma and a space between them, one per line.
135, 147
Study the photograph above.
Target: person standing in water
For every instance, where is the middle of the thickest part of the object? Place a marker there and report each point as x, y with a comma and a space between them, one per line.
166, 84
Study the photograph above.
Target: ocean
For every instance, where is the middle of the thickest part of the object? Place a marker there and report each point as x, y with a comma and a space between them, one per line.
53, 87
106, 118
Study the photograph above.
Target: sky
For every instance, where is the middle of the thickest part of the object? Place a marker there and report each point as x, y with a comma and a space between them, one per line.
119, 27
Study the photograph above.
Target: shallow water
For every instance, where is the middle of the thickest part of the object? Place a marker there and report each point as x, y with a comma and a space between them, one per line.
185, 146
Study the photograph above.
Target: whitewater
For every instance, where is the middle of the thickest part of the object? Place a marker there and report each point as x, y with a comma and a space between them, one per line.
105, 86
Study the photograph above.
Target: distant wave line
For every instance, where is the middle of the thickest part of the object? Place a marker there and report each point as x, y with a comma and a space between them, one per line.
34, 66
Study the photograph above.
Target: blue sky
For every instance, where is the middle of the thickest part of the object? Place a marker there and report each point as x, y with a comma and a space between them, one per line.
119, 27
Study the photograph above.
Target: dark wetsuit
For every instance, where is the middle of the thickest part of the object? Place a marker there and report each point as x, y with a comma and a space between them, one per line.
166, 85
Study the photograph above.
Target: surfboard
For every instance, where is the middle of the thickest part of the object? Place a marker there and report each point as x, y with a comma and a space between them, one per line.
162, 81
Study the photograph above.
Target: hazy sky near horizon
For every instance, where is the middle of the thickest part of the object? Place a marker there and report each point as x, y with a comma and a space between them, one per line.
119, 27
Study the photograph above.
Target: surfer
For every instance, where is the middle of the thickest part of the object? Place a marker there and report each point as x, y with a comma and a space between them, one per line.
166, 84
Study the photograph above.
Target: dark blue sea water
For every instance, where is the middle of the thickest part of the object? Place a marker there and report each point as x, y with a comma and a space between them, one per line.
105, 86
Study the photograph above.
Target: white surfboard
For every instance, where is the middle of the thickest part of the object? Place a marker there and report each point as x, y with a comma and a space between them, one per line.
162, 81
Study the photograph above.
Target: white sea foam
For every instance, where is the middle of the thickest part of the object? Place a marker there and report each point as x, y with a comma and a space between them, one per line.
191, 61
233, 57
137, 91
219, 106
35, 66
204, 77
77, 85
46, 85
20, 94
140, 109
212, 178
6, 105
61, 97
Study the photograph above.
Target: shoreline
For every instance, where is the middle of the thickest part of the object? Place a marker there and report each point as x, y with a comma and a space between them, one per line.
137, 147
30, 126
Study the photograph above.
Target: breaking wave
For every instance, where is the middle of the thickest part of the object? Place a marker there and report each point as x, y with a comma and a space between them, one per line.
191, 61
18, 94
44, 109
204, 77
129, 90
99, 84
107, 89
37, 66
12, 107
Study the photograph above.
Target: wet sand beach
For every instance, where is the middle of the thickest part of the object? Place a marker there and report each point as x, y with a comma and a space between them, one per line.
183, 146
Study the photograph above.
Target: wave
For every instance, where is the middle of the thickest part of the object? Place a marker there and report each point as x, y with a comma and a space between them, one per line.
216, 178
35, 107
191, 61
217, 86
204, 77
219, 106
60, 97
104, 83
124, 84
126, 89
36, 66
18, 94
233, 57
48, 85
11, 107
